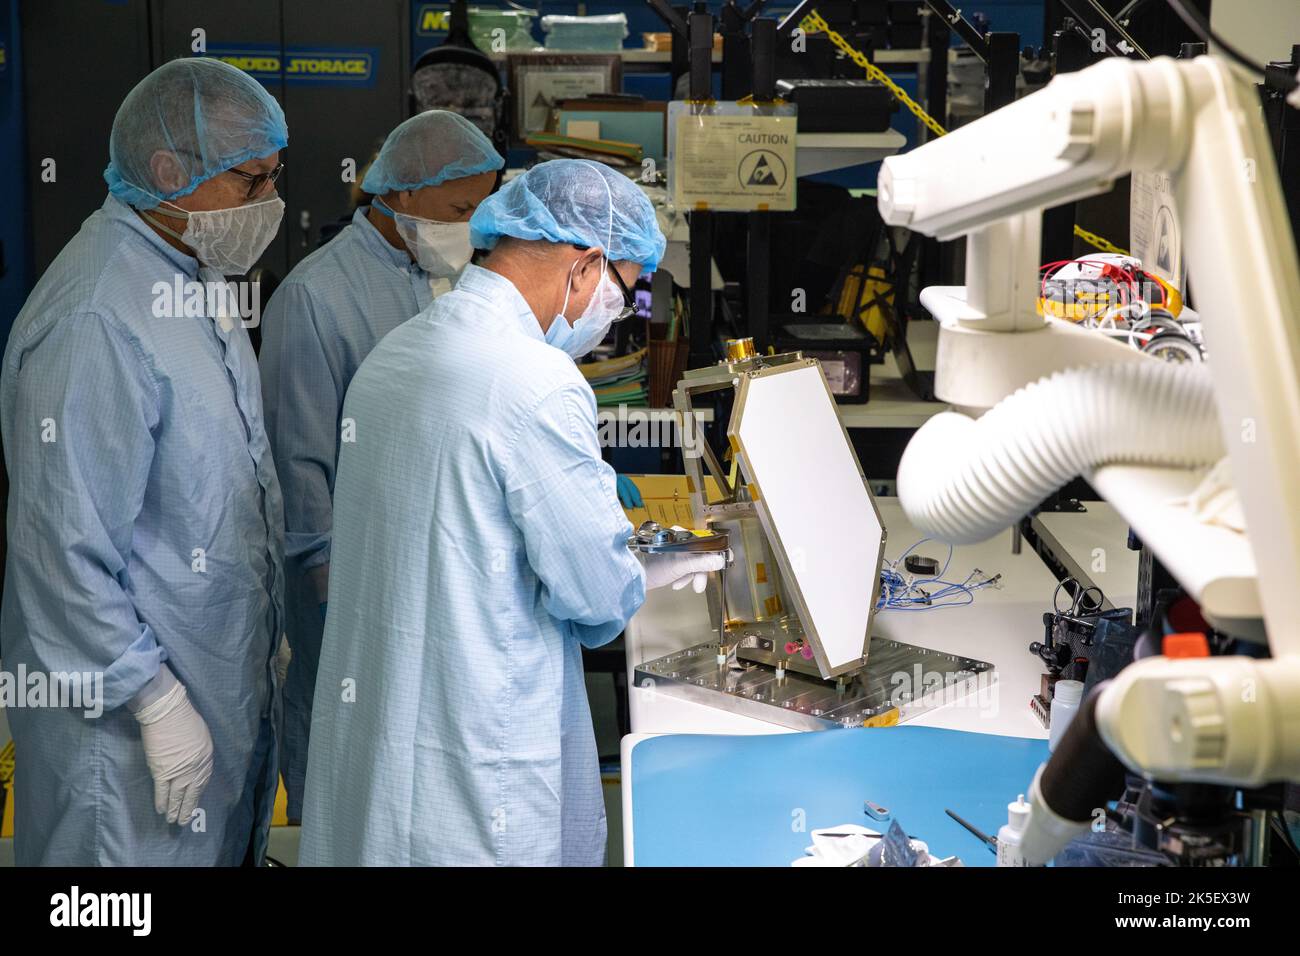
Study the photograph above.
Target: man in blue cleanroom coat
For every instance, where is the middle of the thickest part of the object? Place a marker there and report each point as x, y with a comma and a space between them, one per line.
144, 522
479, 546
410, 243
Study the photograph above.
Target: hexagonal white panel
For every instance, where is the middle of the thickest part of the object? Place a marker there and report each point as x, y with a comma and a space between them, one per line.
814, 505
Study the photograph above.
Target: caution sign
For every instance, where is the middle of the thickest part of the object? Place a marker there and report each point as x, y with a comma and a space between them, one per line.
736, 161
1154, 233
763, 168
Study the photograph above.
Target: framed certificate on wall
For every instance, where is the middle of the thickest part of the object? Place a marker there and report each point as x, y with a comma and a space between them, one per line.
538, 81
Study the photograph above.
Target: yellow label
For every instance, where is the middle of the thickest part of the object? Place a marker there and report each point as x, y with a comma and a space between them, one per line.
327, 66
433, 20
665, 499
888, 719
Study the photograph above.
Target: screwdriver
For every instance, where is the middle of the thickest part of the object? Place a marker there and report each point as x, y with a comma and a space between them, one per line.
991, 842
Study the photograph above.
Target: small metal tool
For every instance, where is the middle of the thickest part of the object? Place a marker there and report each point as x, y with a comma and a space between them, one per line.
990, 842
654, 538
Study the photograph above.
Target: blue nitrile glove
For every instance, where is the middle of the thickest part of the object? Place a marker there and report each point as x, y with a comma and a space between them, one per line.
629, 495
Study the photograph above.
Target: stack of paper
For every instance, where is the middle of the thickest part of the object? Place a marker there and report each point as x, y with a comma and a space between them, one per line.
619, 381
609, 151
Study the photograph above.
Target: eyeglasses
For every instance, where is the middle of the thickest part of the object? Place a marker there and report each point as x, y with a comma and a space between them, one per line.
629, 300
257, 181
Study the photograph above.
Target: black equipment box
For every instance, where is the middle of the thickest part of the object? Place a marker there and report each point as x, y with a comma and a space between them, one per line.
839, 106
845, 351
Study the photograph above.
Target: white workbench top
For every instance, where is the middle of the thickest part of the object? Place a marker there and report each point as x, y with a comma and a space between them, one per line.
998, 627
1096, 541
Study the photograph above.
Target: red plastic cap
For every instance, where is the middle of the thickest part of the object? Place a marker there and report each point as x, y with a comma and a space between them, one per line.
1185, 615
1188, 644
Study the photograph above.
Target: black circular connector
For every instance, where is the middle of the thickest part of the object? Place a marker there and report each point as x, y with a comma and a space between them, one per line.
918, 564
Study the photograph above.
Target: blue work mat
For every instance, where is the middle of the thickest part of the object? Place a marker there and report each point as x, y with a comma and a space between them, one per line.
701, 800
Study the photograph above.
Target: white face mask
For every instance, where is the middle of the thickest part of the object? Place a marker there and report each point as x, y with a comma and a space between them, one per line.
228, 240
590, 328
441, 249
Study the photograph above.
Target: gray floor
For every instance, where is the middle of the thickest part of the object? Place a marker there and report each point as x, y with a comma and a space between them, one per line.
604, 715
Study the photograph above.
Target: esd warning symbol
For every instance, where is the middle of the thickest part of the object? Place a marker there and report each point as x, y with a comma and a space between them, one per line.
762, 169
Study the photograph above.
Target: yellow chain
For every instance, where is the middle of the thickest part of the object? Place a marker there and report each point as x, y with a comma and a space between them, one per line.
814, 23
818, 25
1105, 245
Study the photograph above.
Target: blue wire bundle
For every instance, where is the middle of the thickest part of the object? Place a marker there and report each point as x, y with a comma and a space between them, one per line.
900, 591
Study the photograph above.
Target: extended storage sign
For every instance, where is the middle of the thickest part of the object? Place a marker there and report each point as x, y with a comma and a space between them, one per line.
271, 64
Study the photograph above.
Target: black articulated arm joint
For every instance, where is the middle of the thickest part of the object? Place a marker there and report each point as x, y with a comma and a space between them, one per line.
1082, 774
1081, 777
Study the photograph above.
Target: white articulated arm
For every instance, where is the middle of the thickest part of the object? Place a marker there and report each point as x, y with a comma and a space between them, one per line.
1226, 720
1247, 284
1070, 140
992, 179
1198, 121
1229, 720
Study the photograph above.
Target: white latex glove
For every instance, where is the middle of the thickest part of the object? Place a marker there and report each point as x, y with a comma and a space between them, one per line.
178, 749
680, 570
282, 658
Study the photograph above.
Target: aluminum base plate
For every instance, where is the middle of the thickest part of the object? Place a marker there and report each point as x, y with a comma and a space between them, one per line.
899, 683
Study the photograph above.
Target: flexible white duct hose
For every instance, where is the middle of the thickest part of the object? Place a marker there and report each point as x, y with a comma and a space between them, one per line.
962, 480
